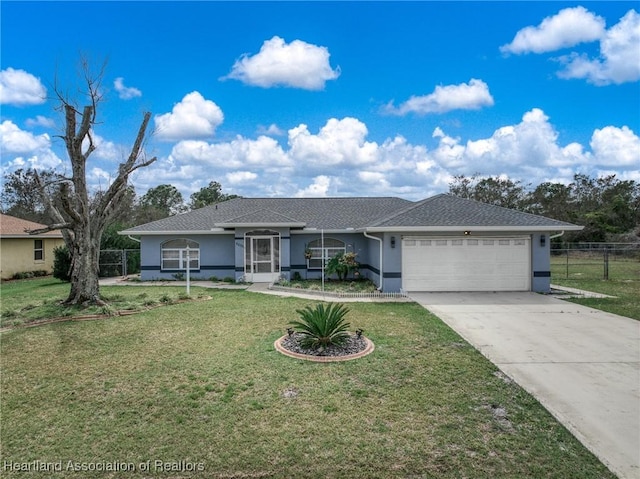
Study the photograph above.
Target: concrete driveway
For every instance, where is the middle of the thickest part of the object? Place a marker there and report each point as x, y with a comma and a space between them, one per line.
582, 364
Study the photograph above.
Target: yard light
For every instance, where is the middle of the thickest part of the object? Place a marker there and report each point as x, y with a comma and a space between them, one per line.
359, 332
290, 331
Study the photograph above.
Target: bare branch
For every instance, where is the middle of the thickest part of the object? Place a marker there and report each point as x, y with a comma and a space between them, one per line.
53, 227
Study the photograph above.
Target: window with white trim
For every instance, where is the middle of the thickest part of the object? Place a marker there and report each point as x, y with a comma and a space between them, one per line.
38, 250
322, 252
174, 254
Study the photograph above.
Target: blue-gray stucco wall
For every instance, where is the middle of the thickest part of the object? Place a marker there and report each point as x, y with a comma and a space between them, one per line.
216, 257
222, 256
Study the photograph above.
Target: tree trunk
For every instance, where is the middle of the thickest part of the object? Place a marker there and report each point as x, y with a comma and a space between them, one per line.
85, 254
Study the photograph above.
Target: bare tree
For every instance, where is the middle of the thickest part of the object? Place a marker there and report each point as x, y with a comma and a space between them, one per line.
80, 215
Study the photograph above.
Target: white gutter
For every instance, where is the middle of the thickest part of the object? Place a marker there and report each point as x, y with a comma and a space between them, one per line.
473, 229
380, 240
134, 239
556, 236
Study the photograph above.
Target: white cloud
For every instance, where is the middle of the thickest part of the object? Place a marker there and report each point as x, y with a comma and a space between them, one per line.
297, 64
40, 120
23, 149
125, 92
15, 140
339, 161
193, 117
105, 149
239, 177
339, 142
619, 60
271, 130
320, 188
619, 147
567, 28
17, 87
465, 96
238, 153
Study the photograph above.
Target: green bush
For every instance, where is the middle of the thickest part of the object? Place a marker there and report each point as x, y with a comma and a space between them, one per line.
62, 263
322, 326
341, 264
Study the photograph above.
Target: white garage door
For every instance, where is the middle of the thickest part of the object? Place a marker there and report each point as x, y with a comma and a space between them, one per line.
466, 264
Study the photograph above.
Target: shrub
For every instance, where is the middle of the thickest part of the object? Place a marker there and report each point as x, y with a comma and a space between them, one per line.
322, 326
341, 264
228, 279
62, 263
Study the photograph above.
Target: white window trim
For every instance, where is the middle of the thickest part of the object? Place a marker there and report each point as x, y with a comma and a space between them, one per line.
325, 254
182, 258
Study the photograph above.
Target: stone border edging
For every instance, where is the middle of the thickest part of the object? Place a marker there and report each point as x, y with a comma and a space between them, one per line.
324, 359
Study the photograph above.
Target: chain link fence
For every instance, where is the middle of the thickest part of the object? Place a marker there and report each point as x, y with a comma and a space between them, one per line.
119, 262
616, 261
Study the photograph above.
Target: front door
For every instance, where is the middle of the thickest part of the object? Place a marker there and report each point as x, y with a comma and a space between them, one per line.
262, 258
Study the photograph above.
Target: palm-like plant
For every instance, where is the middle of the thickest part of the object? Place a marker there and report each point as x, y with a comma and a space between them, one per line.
322, 326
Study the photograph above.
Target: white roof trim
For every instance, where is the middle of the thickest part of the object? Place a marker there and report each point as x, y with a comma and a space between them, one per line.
460, 229
178, 232
261, 225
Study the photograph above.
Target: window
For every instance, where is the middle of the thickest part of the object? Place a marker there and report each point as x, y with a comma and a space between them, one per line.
38, 250
320, 255
174, 254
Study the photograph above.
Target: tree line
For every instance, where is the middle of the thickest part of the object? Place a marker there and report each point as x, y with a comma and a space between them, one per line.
22, 197
607, 207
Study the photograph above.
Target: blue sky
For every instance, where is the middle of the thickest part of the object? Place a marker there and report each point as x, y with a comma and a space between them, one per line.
331, 99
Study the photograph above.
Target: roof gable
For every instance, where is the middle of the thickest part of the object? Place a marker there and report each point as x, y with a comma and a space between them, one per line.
263, 217
451, 211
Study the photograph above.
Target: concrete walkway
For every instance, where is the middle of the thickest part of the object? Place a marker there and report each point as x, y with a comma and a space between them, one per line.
582, 364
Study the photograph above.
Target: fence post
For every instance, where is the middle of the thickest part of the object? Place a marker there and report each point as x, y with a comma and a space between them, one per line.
567, 268
124, 262
606, 263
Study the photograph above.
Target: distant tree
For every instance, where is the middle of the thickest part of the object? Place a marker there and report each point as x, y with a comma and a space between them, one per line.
553, 200
209, 195
160, 202
21, 195
493, 190
605, 206
81, 216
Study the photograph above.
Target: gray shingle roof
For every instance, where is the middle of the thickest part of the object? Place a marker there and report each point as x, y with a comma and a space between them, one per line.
378, 214
447, 211
320, 213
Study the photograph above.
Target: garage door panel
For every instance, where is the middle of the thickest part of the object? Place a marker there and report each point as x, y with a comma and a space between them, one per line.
463, 264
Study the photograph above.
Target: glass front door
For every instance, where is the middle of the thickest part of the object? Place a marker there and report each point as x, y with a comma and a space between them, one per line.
262, 258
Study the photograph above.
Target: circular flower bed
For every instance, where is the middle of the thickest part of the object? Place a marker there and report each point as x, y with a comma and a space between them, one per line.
355, 347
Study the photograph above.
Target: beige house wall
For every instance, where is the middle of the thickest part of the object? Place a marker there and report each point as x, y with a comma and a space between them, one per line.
17, 255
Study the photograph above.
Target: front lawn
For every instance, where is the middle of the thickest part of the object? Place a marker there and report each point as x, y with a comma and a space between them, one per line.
28, 301
199, 385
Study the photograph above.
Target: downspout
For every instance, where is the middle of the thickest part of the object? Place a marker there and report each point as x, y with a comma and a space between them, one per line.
134, 239
366, 235
556, 236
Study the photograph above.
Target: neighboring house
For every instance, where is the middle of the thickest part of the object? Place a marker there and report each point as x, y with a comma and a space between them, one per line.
21, 252
443, 243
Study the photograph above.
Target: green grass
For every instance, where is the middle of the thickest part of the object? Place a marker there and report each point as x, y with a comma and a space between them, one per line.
624, 284
29, 301
201, 382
